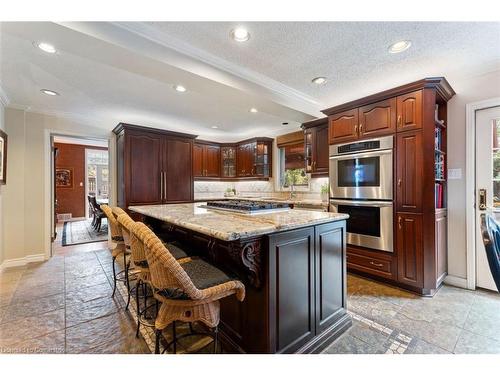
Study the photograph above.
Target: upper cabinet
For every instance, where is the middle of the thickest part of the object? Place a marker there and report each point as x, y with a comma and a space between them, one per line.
250, 159
316, 147
409, 111
377, 119
153, 166
206, 160
343, 127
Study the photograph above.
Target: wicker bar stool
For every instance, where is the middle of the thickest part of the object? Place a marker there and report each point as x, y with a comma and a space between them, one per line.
119, 249
189, 290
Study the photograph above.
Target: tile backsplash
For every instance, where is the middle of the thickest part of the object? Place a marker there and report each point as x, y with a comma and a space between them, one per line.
216, 189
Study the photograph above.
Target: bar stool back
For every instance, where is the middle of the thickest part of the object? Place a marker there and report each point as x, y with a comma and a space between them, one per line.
182, 299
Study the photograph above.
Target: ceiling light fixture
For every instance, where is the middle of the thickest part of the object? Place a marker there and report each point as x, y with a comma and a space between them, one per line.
240, 34
253, 110
284, 123
179, 88
215, 127
46, 47
319, 80
400, 46
49, 92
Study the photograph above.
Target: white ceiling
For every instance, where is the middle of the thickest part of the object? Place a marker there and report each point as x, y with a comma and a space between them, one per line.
124, 72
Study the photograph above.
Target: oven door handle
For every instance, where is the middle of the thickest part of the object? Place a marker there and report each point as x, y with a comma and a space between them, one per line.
361, 155
361, 203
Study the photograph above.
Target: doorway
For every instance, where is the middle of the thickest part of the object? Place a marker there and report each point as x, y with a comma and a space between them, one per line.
487, 183
80, 175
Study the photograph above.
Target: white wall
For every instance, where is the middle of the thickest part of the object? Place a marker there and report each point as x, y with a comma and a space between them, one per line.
468, 90
26, 223
2, 127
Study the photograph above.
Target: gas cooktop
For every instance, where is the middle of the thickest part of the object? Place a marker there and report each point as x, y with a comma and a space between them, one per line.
247, 207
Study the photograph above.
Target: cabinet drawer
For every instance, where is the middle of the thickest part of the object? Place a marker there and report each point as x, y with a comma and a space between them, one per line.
371, 264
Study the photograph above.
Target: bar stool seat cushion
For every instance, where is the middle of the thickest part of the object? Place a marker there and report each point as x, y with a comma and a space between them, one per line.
203, 276
175, 248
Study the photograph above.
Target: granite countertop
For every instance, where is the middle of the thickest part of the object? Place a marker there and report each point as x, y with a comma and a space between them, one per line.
230, 226
298, 201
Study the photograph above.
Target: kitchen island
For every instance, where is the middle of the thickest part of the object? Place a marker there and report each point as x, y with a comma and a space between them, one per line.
291, 262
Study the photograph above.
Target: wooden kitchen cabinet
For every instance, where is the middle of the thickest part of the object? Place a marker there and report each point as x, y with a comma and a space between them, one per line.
228, 160
409, 249
343, 127
419, 261
409, 111
245, 159
206, 160
377, 119
409, 172
316, 147
153, 166
141, 149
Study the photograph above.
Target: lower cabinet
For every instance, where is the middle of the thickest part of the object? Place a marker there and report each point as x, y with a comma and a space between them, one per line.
307, 281
409, 249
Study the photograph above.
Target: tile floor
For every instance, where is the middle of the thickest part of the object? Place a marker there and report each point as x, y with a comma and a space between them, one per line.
390, 320
64, 305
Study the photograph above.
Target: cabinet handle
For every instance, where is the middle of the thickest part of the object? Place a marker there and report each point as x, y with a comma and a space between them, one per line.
356, 129
400, 219
399, 182
399, 120
361, 128
376, 264
161, 186
165, 186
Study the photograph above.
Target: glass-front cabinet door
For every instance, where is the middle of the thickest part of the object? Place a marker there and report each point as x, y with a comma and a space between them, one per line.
262, 159
228, 161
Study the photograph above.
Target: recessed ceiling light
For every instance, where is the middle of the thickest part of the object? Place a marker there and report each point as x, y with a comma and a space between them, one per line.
400, 46
319, 80
215, 127
253, 110
49, 92
179, 88
240, 34
284, 123
46, 47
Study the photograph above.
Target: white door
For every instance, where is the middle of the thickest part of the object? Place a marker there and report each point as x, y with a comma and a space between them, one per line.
487, 181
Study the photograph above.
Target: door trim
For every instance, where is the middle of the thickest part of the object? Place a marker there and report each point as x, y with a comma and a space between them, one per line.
470, 183
48, 198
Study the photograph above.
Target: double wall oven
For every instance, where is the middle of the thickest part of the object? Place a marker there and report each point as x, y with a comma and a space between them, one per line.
361, 177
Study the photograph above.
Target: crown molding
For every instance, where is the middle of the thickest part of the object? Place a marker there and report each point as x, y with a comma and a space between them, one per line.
4, 98
159, 37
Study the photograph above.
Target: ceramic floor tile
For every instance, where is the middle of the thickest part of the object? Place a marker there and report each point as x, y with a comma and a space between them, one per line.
28, 328
418, 346
85, 282
88, 294
83, 312
33, 307
109, 330
348, 344
52, 343
470, 343
483, 323
443, 335
373, 308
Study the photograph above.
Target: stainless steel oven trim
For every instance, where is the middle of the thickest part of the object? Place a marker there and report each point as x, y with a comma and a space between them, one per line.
384, 191
385, 242
362, 155
386, 143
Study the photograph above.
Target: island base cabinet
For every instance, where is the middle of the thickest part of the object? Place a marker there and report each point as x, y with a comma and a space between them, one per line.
307, 281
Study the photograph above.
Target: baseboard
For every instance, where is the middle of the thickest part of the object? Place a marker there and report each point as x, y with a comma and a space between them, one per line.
456, 281
19, 262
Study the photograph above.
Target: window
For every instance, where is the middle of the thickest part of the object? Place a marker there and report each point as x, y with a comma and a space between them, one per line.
292, 166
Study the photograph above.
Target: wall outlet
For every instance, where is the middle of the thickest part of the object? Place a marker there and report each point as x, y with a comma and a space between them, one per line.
455, 174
